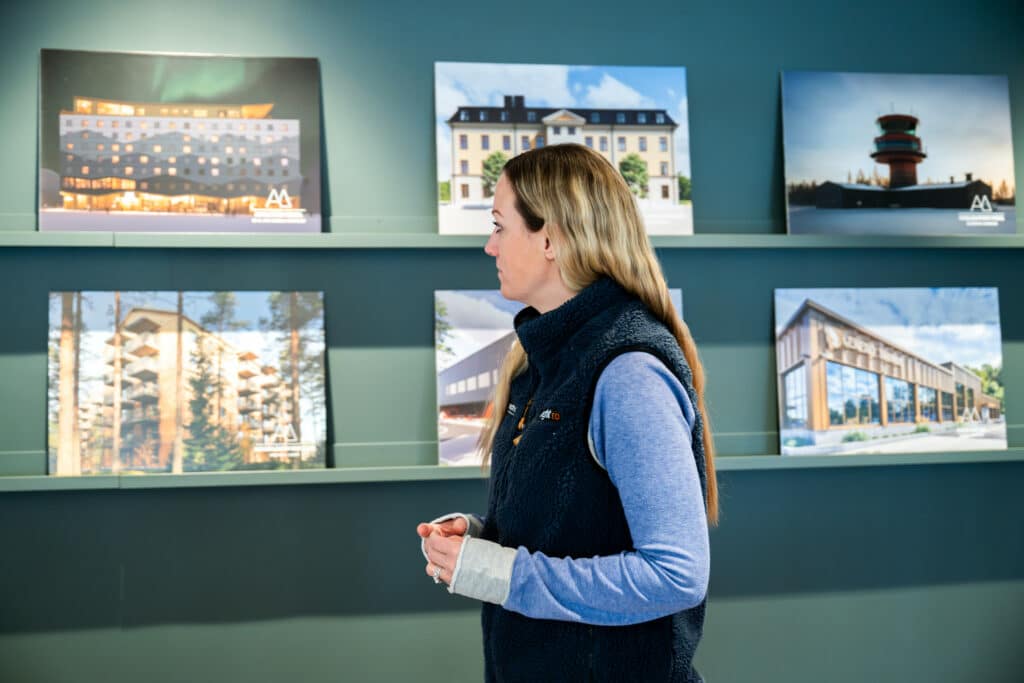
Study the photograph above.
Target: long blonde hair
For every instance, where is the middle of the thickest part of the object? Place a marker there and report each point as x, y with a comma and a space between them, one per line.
596, 228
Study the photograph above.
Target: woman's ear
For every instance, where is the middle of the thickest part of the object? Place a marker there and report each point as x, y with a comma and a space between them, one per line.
549, 246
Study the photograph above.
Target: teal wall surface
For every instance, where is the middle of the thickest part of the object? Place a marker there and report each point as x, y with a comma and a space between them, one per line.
839, 574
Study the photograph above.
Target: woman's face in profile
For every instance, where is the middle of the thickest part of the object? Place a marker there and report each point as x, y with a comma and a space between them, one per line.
519, 253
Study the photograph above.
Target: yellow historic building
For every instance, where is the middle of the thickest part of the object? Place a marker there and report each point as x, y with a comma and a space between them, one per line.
479, 132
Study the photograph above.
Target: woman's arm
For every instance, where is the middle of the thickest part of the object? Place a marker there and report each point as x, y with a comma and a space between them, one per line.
640, 431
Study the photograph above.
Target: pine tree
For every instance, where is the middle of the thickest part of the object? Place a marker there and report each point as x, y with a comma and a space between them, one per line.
209, 445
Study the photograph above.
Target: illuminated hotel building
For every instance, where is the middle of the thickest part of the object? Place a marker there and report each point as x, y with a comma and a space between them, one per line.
479, 132
836, 376
188, 158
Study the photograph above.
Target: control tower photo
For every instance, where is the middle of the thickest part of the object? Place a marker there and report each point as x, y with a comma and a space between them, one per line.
900, 148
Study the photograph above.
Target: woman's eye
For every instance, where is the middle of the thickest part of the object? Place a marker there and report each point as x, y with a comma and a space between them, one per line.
496, 226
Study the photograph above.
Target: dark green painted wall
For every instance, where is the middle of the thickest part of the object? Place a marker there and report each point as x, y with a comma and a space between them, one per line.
911, 573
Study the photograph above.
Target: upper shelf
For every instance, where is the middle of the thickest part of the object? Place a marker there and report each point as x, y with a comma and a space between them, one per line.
350, 475
395, 240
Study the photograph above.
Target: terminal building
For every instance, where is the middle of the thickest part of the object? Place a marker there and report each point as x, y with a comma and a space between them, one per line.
899, 147
836, 377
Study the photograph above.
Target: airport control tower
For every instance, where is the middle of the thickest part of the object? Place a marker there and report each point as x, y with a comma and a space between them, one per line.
900, 148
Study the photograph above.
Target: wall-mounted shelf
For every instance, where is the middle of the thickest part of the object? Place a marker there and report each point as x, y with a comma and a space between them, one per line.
387, 239
349, 475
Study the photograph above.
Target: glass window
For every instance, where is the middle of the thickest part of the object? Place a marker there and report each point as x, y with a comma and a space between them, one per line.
663, 143
483, 116
595, 117
506, 142
970, 400
483, 380
461, 386
899, 400
556, 130
604, 143
540, 140
531, 116
463, 115
620, 117
852, 395
622, 144
485, 142
571, 130
664, 168
659, 118
464, 167
643, 143
795, 398
947, 406
471, 383
589, 141
526, 142
960, 402
504, 116
641, 117
929, 400
463, 141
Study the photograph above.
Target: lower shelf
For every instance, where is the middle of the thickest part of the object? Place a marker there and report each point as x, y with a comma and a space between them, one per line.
345, 475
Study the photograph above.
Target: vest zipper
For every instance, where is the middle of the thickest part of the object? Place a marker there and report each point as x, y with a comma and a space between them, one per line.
522, 423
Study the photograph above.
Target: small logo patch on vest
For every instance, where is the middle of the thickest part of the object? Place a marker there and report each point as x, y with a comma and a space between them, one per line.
550, 414
511, 410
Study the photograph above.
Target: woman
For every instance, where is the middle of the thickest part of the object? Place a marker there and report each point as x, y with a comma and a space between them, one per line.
592, 560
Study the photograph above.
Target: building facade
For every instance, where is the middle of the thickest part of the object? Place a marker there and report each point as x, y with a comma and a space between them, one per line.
479, 132
176, 158
250, 402
836, 377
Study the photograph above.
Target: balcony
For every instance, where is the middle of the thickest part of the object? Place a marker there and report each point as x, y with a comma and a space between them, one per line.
145, 344
150, 414
248, 368
144, 393
145, 369
250, 386
249, 405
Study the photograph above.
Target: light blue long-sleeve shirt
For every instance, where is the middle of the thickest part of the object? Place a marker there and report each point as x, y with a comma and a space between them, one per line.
640, 428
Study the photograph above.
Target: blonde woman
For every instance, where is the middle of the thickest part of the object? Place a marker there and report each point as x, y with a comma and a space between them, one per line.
592, 560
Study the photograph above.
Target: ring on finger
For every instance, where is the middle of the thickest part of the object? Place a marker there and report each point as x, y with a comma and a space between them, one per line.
436, 574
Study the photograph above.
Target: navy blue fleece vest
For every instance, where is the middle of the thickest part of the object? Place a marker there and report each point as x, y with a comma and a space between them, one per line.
548, 494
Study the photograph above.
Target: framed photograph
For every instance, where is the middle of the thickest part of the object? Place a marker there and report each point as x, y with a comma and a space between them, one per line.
178, 143
635, 116
898, 154
902, 370
473, 331
151, 382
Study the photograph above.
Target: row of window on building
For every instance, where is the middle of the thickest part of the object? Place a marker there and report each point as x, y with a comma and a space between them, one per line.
588, 140
464, 167
153, 171
481, 381
173, 147
128, 184
853, 398
641, 117
115, 123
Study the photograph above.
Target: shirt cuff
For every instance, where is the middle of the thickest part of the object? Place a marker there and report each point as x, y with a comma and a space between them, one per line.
473, 527
483, 571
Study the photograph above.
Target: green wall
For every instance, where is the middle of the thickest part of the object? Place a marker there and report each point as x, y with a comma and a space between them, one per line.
890, 573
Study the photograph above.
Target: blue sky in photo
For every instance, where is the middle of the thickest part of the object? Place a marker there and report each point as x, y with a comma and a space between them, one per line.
959, 324
548, 85
250, 307
829, 124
